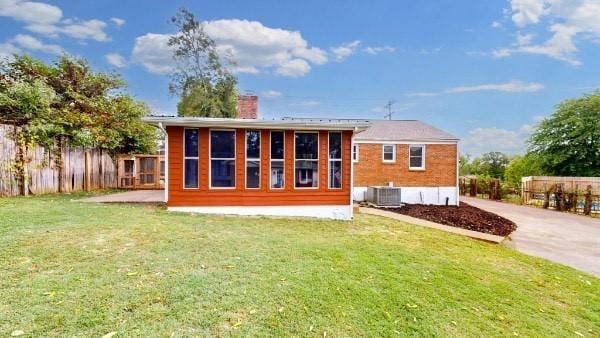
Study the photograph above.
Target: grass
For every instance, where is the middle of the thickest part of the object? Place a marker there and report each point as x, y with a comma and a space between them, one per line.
73, 269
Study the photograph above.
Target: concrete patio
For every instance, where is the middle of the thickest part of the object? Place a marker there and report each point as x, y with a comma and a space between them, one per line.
133, 196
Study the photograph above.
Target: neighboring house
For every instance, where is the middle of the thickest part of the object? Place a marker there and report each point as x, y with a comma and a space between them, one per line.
410, 154
259, 167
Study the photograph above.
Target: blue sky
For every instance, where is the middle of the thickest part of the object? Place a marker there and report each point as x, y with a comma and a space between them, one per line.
486, 71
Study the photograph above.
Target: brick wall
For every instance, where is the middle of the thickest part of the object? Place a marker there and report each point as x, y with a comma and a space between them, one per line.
440, 167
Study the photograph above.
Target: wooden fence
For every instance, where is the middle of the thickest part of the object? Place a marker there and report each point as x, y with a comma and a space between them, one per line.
485, 188
574, 194
82, 170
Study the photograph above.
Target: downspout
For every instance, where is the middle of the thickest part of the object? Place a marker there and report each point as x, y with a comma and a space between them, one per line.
352, 173
162, 128
457, 175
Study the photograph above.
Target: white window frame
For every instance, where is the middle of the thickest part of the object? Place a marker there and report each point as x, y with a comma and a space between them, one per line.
422, 146
355, 151
271, 160
393, 160
253, 159
190, 158
329, 160
317, 160
210, 158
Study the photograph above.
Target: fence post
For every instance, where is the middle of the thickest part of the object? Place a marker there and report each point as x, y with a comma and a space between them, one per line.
587, 207
87, 171
473, 187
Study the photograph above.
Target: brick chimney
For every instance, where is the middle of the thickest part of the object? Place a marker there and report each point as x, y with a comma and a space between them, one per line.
247, 107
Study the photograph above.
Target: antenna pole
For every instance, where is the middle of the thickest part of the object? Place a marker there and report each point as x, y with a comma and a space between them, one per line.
388, 106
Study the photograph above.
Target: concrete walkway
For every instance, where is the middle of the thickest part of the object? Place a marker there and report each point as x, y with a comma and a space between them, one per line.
412, 220
564, 238
133, 196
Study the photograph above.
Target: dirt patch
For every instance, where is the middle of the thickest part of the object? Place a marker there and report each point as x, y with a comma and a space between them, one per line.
464, 216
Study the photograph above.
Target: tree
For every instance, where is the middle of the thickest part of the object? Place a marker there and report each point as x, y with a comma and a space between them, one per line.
206, 88
493, 164
568, 142
69, 103
521, 166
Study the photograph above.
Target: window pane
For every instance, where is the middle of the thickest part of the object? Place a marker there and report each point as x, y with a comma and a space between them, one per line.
335, 145
253, 174
307, 174
253, 144
307, 146
277, 145
191, 142
222, 144
162, 168
191, 173
416, 151
277, 174
128, 167
335, 174
416, 162
355, 152
222, 173
388, 153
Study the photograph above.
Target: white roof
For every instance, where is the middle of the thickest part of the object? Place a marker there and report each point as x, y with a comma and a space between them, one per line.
257, 123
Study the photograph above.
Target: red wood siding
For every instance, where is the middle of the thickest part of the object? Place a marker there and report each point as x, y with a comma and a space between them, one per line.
240, 196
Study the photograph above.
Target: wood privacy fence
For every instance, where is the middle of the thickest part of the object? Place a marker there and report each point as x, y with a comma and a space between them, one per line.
82, 169
574, 194
483, 187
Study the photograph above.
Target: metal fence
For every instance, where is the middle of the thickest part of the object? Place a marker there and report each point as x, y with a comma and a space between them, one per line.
573, 194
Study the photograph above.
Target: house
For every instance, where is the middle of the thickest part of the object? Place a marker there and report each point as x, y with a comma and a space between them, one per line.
259, 167
410, 154
301, 167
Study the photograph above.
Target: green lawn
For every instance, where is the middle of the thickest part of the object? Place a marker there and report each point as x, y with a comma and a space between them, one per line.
74, 269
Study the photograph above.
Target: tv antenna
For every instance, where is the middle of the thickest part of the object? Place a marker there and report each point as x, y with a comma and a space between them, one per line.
388, 106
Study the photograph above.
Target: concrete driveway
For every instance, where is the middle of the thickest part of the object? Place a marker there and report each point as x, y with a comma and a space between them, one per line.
132, 196
564, 238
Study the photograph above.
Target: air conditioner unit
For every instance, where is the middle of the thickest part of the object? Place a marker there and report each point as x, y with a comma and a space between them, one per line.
384, 196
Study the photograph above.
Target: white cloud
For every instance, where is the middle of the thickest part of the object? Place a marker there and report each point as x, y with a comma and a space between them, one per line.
526, 12
254, 47
569, 22
482, 140
47, 20
30, 12
117, 21
496, 24
344, 50
7, 51
30, 43
270, 94
422, 94
116, 60
379, 49
152, 52
512, 86
307, 103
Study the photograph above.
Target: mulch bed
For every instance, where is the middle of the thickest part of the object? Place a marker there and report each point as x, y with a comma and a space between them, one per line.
464, 216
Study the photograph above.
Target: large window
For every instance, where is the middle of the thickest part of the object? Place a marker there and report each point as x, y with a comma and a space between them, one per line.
335, 160
417, 157
252, 159
389, 153
306, 160
190, 165
277, 160
222, 159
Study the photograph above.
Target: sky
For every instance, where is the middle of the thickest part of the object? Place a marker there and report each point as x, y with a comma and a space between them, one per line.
485, 71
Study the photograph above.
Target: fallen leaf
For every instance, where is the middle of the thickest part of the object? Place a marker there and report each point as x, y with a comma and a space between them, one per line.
280, 309
17, 333
110, 334
252, 311
454, 323
387, 315
579, 334
132, 274
236, 325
